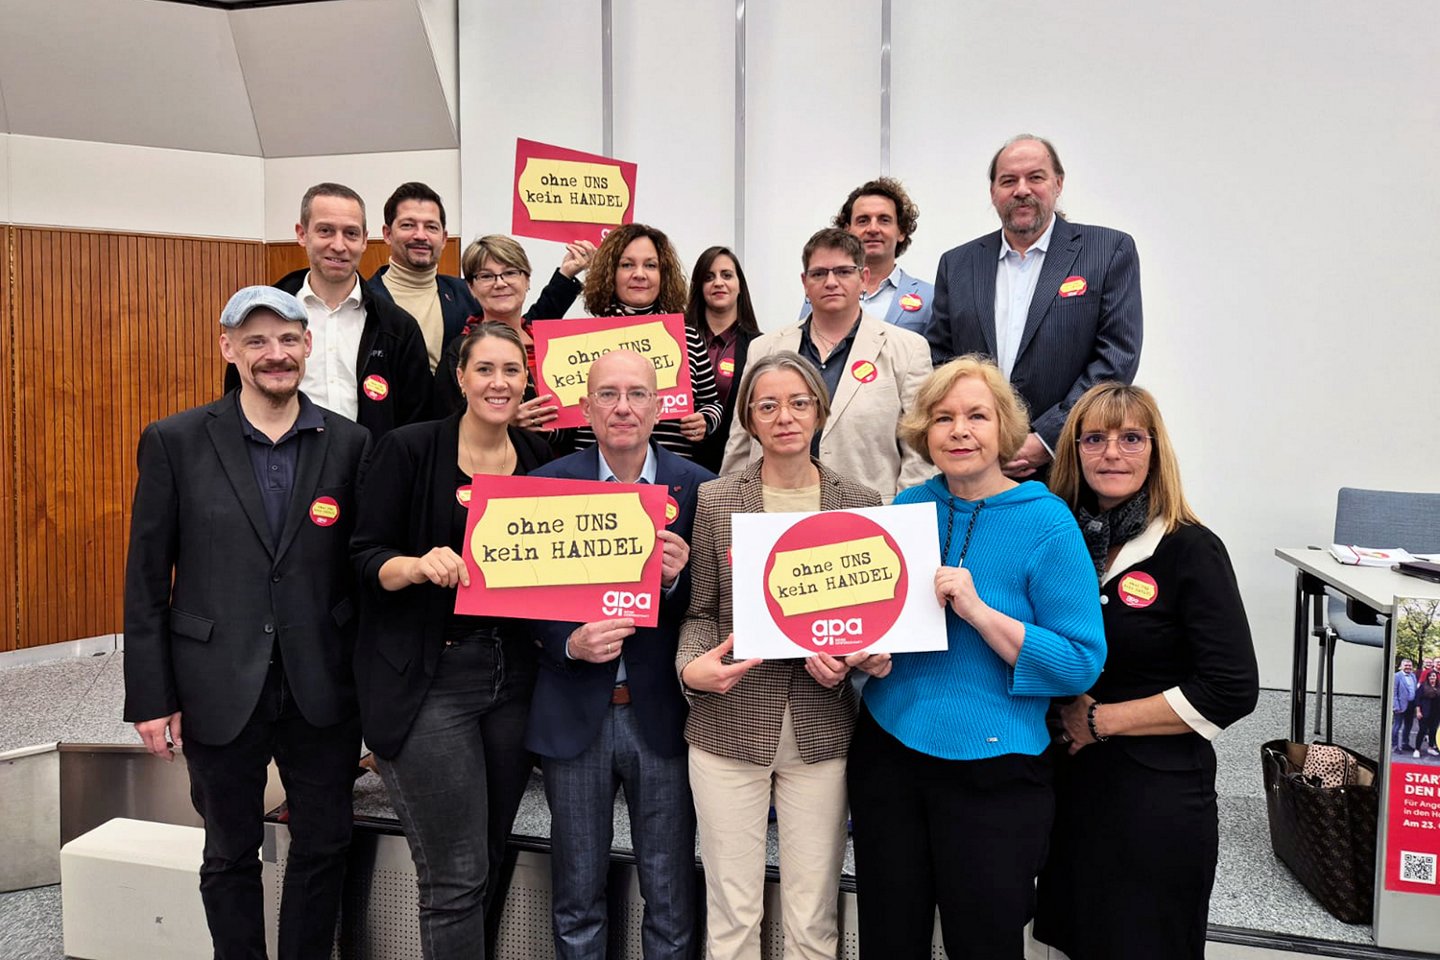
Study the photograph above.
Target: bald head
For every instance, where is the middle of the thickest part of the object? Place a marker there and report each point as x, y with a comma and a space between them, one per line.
623, 361
620, 405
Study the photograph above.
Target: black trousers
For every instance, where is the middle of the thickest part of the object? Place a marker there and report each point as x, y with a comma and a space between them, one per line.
966, 836
227, 787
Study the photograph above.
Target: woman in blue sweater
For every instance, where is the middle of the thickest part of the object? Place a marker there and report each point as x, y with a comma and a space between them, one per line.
950, 794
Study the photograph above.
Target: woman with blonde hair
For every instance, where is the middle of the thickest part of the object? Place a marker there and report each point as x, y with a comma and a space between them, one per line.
1136, 764
949, 786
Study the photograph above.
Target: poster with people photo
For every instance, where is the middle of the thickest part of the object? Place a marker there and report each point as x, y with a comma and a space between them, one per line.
1412, 795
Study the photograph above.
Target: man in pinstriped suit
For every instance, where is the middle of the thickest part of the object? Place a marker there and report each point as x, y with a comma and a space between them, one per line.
1056, 304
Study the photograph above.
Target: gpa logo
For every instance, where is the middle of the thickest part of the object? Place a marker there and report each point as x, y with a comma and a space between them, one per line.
670, 402
834, 631
623, 603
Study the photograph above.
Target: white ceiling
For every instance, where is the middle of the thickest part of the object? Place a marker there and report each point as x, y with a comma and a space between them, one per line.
294, 79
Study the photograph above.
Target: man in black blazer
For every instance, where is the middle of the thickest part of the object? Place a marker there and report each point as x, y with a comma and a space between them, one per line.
1056, 304
239, 623
608, 709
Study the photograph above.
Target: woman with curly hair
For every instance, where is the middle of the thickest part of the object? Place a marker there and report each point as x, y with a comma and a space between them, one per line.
635, 271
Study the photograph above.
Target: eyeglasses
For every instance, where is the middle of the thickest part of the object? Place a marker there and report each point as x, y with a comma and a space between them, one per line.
1095, 444
609, 396
818, 274
488, 279
766, 410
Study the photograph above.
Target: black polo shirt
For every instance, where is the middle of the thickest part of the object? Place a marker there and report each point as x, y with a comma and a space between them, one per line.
831, 368
274, 463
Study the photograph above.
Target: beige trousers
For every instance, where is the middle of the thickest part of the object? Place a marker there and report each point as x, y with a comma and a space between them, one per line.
732, 802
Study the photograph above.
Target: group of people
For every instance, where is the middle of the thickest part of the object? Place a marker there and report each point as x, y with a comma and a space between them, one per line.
1416, 705
296, 545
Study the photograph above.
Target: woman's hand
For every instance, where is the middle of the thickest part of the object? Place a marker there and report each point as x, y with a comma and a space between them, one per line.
826, 670
536, 414
1075, 727
692, 427
954, 586
875, 664
440, 566
710, 674
577, 258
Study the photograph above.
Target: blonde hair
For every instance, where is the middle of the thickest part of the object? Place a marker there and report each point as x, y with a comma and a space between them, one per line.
1011, 418
498, 247
1109, 406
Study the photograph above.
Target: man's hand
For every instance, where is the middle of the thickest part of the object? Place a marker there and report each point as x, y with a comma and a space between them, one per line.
710, 674
1031, 456
676, 553
153, 733
600, 641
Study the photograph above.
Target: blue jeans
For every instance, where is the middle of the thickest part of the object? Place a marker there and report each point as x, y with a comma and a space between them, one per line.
581, 793
457, 783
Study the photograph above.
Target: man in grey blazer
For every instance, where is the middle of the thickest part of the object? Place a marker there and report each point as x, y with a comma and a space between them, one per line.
881, 215
240, 623
1056, 304
872, 369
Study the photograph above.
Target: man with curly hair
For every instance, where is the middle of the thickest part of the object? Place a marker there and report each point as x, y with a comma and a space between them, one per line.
881, 215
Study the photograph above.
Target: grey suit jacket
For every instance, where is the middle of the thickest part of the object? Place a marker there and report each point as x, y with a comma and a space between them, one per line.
859, 440
1072, 340
207, 594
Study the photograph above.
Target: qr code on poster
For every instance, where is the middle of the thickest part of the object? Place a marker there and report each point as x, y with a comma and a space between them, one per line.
1417, 867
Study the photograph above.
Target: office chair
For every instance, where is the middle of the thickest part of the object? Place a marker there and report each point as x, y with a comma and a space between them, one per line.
1369, 518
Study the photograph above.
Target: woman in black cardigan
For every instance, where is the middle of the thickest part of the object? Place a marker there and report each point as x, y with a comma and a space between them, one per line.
1136, 831
444, 697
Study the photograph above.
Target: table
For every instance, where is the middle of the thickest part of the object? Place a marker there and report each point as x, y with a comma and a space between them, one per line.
1372, 588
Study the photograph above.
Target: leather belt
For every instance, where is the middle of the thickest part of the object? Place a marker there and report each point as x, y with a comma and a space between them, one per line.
621, 694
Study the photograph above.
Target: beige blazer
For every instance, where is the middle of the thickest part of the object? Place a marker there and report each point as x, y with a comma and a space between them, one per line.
859, 439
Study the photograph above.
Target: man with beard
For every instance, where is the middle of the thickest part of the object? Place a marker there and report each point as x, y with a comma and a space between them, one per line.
368, 362
1056, 304
415, 230
239, 622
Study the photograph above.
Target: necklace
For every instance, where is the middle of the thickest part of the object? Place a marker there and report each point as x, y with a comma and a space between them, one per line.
478, 463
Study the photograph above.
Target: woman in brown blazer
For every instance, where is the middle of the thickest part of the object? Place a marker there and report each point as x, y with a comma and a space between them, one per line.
759, 725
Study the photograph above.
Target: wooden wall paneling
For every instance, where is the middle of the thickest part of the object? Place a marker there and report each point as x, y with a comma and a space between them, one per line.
283, 256
111, 331
9, 576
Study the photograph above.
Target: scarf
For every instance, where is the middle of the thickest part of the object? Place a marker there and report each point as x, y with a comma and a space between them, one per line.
1106, 529
618, 309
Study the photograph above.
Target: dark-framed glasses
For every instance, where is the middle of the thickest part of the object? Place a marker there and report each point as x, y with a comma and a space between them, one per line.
845, 272
1129, 441
801, 405
510, 276
609, 396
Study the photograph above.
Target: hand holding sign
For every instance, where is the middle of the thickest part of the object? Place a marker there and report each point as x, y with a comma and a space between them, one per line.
676, 553
709, 673
600, 641
826, 670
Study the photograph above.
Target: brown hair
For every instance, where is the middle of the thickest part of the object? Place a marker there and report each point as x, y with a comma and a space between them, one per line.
695, 309
1107, 406
1011, 419
907, 215
489, 328
600, 278
329, 190
833, 238
1049, 148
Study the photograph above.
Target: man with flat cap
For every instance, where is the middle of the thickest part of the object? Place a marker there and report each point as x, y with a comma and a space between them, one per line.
239, 623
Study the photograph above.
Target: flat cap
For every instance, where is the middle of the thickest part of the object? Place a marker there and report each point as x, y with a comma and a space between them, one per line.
249, 299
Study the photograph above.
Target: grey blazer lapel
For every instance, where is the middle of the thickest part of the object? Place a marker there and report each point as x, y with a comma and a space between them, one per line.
982, 281
1064, 249
224, 429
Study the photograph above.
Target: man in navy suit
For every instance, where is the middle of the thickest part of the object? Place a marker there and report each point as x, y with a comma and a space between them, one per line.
240, 624
881, 215
1056, 304
608, 709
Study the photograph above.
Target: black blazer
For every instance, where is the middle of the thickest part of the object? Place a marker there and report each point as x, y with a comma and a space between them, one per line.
406, 504
710, 452
572, 697
392, 347
202, 644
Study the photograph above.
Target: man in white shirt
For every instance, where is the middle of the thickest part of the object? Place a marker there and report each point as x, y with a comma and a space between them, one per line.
1056, 304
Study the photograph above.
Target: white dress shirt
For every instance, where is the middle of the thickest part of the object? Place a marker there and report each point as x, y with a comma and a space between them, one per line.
330, 378
1015, 277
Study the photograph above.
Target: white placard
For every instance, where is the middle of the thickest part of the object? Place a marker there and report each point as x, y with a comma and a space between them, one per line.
836, 582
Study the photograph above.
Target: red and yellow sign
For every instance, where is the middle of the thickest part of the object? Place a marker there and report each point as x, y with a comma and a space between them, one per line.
324, 511
376, 387
567, 195
565, 349
1073, 286
575, 550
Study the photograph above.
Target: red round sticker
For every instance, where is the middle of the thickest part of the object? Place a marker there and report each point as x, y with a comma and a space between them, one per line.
462, 495
910, 303
1072, 286
806, 557
727, 367
1138, 589
376, 387
324, 511
864, 371
672, 510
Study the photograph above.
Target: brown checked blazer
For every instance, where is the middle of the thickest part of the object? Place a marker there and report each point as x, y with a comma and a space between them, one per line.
744, 724
859, 438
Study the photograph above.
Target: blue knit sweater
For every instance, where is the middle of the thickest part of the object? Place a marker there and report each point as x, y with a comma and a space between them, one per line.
1028, 561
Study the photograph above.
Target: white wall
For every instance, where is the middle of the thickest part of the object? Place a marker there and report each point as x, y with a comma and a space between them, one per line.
1272, 163
372, 175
